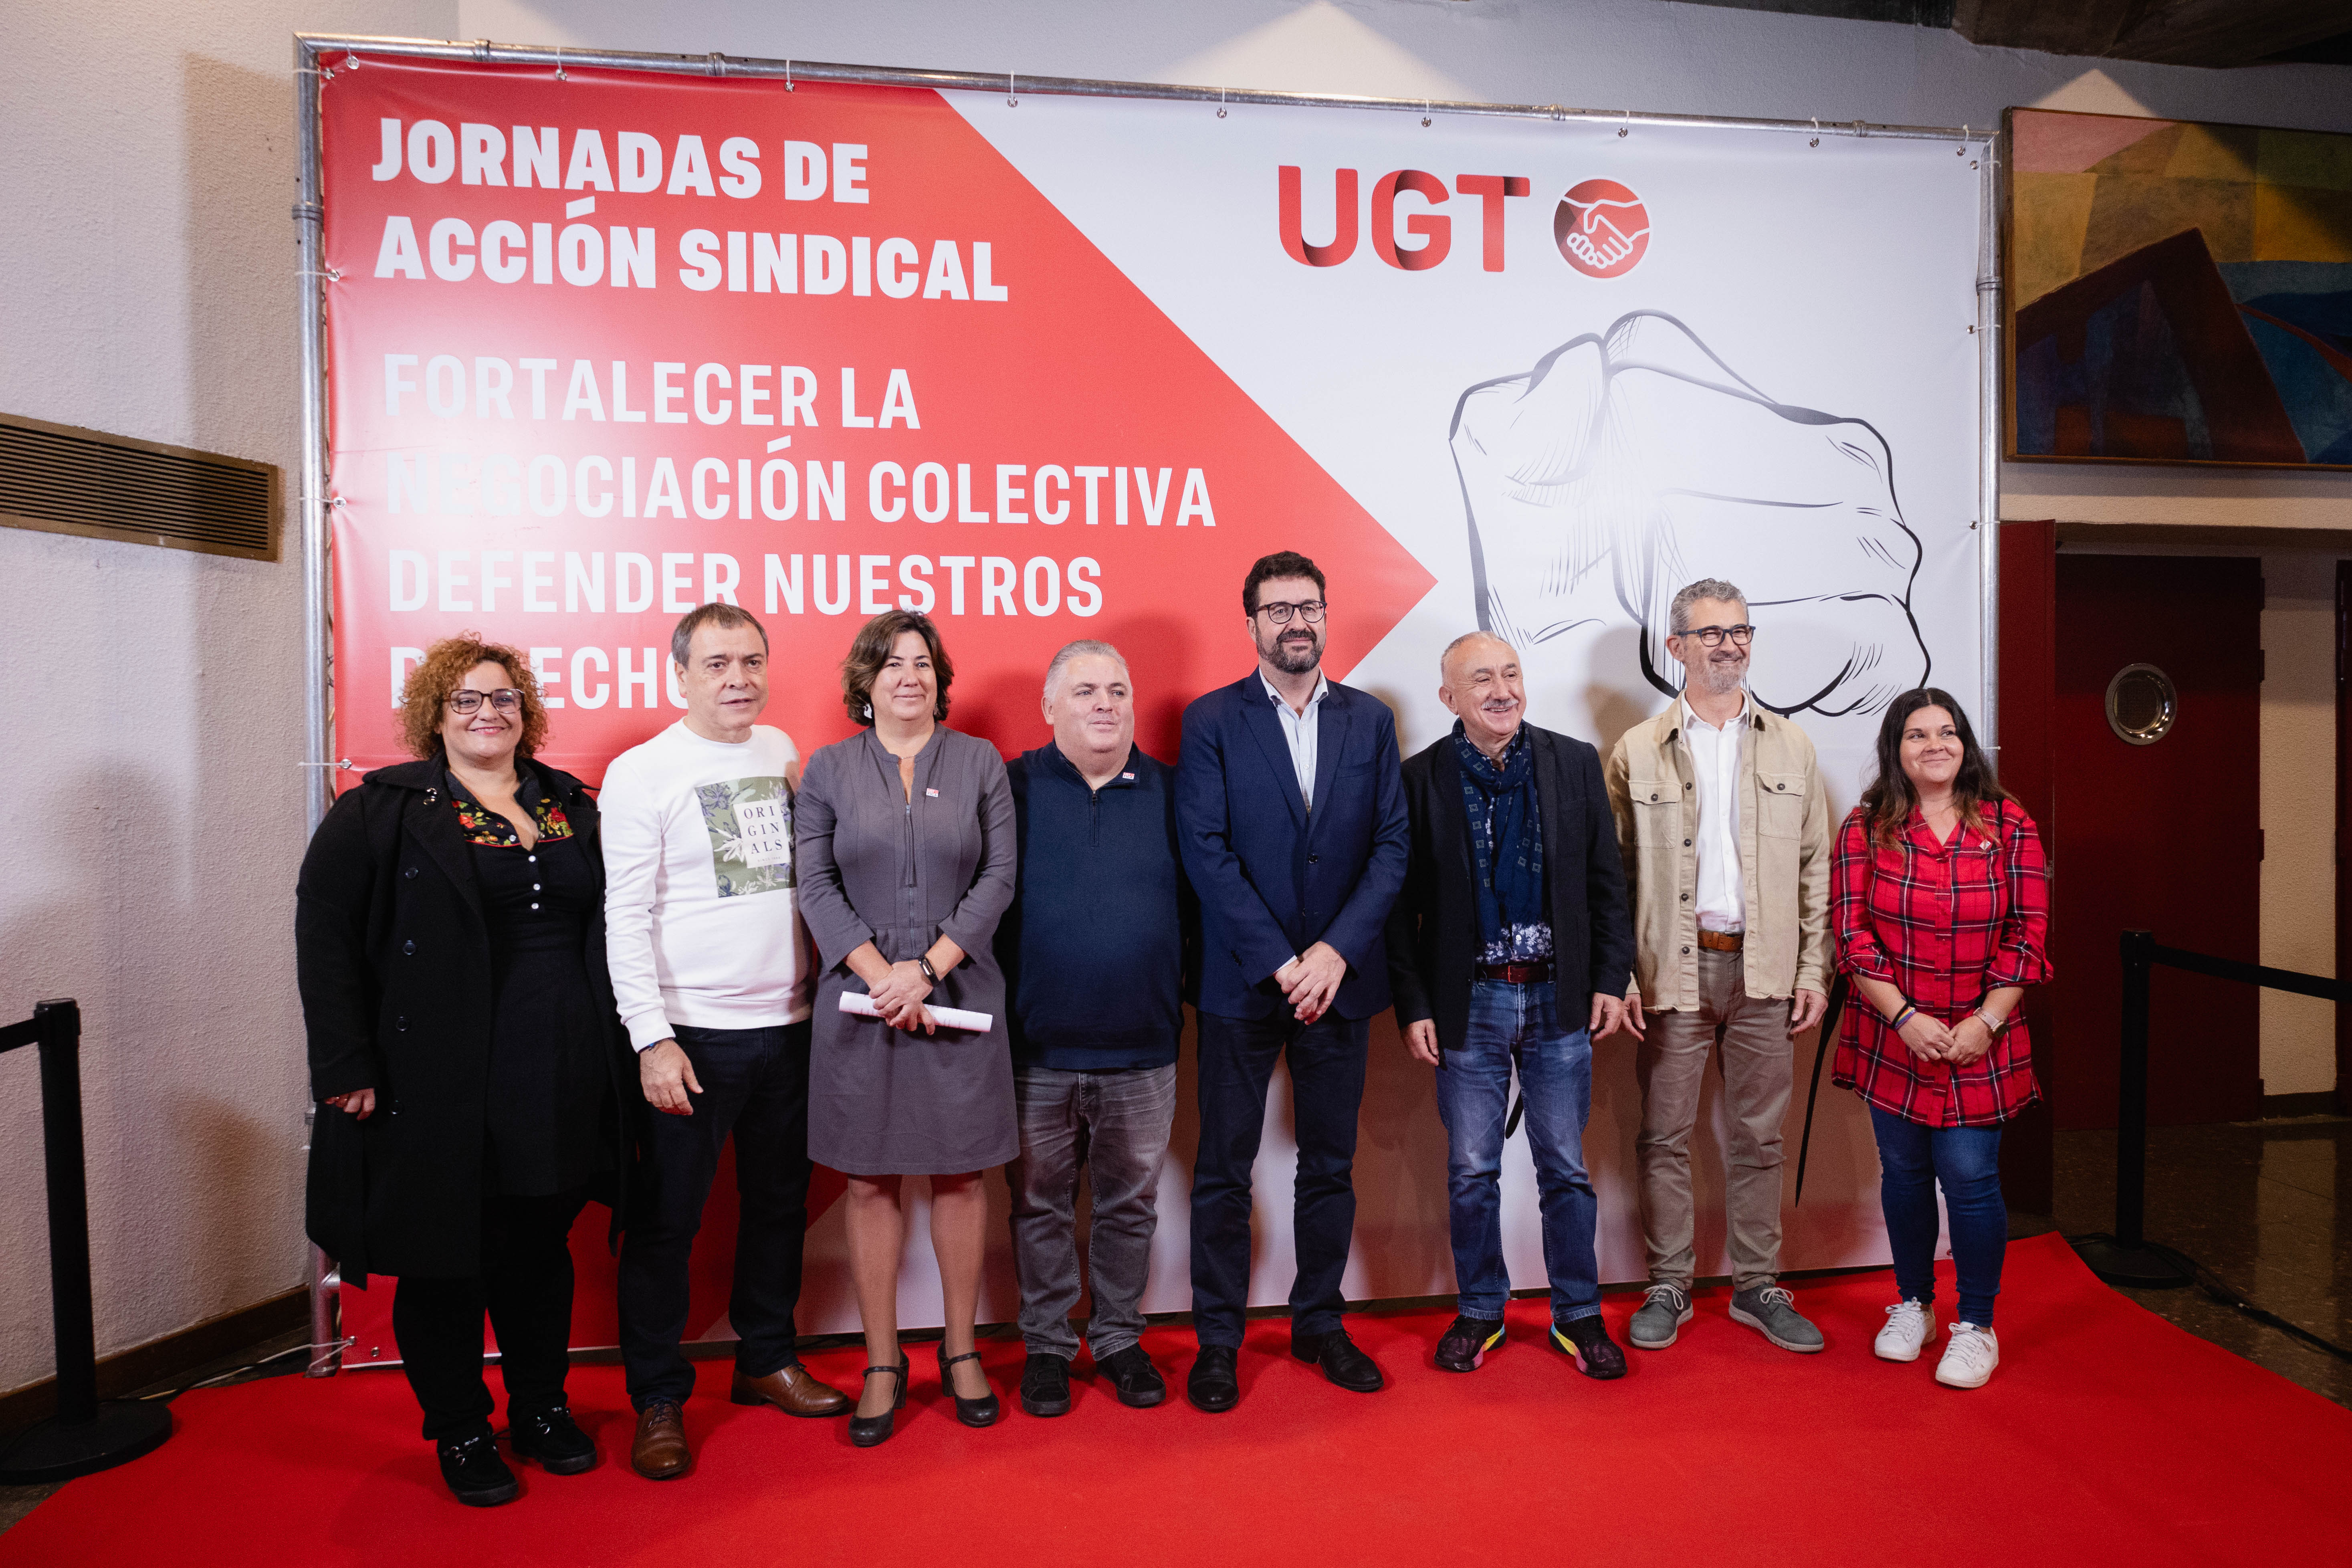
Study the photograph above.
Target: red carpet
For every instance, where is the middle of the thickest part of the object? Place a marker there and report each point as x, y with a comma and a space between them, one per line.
2107, 1435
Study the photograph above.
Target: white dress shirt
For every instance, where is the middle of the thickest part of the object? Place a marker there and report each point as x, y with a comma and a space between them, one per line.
1714, 756
1299, 730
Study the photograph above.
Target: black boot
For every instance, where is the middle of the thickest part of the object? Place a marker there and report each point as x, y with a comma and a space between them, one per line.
476, 1476
1046, 1385
554, 1440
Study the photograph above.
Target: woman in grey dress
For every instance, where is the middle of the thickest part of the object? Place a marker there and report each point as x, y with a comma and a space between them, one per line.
904, 842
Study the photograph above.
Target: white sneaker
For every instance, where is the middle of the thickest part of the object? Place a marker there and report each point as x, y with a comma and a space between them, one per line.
1969, 1356
1909, 1325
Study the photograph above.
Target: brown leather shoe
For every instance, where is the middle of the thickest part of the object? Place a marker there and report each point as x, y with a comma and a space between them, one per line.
790, 1389
660, 1453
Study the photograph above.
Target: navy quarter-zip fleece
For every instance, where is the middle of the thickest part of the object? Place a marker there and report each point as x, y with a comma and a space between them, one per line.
1093, 946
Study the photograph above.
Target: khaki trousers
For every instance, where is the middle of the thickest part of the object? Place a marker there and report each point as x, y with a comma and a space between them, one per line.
1671, 1063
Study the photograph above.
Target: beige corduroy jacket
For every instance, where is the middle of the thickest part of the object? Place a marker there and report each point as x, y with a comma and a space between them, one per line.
1784, 858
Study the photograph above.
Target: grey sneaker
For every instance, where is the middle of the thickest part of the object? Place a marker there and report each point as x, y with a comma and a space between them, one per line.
1659, 1317
1771, 1312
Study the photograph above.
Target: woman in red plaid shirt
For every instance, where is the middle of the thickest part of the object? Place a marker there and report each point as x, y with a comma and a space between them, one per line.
1940, 900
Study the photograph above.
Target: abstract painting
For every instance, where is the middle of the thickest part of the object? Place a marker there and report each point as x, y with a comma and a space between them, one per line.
2179, 293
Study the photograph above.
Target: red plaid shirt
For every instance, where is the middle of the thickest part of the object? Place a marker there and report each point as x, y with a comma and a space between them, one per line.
1945, 924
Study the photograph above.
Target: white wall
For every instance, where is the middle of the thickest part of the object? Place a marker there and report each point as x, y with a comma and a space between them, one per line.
2298, 808
151, 703
150, 699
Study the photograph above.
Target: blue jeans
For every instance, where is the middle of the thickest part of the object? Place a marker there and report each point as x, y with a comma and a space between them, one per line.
1519, 1023
1966, 1159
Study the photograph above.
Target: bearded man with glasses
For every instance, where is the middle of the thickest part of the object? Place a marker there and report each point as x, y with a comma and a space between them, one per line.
1291, 822
1725, 830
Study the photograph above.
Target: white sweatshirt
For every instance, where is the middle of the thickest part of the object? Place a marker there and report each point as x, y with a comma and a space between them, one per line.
701, 921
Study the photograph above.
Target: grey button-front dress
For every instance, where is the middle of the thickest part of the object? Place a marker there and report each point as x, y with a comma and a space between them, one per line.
875, 866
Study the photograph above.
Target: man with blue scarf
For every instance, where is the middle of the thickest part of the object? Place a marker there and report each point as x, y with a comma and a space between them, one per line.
1505, 949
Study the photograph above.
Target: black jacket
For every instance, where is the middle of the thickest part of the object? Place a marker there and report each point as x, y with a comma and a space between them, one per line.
392, 957
1434, 930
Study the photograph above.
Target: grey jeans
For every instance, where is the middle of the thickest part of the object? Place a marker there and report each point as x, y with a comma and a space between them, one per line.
1672, 1066
1115, 1125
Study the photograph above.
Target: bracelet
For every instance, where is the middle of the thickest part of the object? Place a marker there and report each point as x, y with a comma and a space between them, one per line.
1896, 1022
923, 963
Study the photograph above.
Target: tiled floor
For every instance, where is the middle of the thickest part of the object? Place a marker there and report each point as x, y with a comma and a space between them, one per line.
2267, 1206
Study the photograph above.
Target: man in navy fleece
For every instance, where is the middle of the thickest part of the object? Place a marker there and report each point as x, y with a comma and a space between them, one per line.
1093, 950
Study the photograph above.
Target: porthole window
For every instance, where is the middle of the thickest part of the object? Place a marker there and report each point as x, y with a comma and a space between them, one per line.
2141, 704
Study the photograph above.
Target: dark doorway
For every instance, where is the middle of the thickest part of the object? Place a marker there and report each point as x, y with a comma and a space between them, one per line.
2342, 831
2028, 698
2165, 833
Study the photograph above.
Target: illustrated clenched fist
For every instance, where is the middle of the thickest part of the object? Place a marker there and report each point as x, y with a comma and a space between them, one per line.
1625, 465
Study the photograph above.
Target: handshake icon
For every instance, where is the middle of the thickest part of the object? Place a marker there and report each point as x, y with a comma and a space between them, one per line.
1624, 464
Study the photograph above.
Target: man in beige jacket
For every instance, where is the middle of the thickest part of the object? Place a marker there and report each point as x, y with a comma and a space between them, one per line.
1725, 828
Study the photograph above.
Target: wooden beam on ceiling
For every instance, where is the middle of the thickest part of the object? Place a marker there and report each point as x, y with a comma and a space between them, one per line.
2215, 33
2053, 26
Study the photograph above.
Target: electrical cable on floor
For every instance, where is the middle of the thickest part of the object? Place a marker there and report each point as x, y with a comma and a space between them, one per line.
2222, 1292
171, 1394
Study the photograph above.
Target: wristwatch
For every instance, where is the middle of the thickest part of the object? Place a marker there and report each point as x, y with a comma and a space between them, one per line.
1998, 1025
924, 963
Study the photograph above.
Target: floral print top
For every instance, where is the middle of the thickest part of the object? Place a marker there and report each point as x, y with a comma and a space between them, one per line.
481, 825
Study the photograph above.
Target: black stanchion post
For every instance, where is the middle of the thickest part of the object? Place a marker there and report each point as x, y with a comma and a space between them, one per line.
2131, 1097
86, 1434
71, 1309
2125, 1257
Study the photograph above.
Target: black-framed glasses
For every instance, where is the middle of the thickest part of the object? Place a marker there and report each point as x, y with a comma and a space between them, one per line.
1309, 610
505, 699
1712, 637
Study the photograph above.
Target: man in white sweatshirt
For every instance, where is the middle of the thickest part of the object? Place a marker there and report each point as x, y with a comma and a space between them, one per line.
711, 971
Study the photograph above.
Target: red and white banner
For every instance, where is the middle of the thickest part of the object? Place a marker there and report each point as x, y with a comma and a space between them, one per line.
606, 345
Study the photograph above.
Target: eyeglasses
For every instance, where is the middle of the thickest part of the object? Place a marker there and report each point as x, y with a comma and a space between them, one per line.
1712, 637
1310, 611
506, 700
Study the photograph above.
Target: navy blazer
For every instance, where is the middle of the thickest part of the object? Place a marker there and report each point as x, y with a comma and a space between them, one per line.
1274, 878
1433, 932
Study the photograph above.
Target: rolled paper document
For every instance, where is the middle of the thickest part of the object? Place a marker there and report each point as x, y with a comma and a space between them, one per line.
950, 1017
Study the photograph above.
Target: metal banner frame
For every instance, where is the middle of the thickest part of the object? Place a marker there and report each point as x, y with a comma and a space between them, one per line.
313, 66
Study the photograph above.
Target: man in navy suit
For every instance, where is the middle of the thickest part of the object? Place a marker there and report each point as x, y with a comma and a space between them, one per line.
1294, 834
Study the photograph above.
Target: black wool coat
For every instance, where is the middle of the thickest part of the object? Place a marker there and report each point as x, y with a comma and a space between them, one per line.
392, 956
1433, 927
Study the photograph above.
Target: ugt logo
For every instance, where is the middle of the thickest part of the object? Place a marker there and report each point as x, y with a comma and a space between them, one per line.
1602, 228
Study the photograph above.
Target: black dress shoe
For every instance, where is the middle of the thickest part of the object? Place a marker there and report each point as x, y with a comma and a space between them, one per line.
1046, 1385
1465, 1343
554, 1440
865, 1431
1212, 1385
1341, 1362
1587, 1339
981, 1412
476, 1475
1132, 1376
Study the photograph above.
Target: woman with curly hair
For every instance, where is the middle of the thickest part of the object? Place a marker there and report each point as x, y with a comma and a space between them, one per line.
903, 835
1941, 902
470, 1067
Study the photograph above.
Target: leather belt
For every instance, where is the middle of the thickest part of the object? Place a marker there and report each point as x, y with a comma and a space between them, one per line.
1721, 941
1517, 973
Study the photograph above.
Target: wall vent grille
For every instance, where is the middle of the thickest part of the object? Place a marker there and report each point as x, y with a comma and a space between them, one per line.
61, 479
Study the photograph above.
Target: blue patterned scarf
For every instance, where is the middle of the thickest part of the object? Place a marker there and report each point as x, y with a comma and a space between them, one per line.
1507, 845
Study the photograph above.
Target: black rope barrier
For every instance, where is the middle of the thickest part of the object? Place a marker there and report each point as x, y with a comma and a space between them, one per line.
87, 1434
2125, 1256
